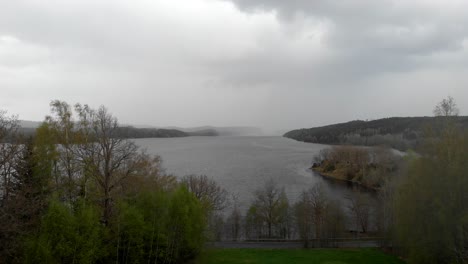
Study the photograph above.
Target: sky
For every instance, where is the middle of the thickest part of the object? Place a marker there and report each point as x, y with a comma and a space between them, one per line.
273, 64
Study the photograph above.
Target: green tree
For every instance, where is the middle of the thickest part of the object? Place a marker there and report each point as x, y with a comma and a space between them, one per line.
214, 199
68, 169
106, 158
185, 230
432, 203
164, 227
66, 236
29, 191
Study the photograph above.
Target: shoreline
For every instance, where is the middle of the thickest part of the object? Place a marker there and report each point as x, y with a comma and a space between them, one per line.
332, 177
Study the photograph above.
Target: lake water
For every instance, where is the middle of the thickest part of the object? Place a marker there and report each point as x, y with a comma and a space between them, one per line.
243, 164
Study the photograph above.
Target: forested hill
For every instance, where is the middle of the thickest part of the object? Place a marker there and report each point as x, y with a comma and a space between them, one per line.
133, 132
398, 132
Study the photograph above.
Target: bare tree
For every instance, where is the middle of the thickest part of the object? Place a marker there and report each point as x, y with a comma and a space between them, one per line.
207, 191
385, 220
214, 199
235, 218
108, 159
318, 204
304, 218
360, 207
334, 220
271, 205
321, 156
447, 107
10, 156
9, 151
317, 216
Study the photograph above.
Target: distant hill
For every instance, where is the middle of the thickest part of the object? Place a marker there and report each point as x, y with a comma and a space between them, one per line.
224, 131
398, 132
132, 132
129, 131
28, 128
203, 133
207, 131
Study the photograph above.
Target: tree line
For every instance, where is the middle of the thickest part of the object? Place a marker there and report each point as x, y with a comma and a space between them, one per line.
77, 192
315, 217
420, 210
132, 132
402, 133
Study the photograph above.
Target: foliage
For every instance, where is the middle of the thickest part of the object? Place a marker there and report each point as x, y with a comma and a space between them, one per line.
132, 132
159, 226
77, 192
401, 133
66, 236
369, 167
432, 204
27, 191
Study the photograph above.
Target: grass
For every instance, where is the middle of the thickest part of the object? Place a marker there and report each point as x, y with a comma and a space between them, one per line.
292, 256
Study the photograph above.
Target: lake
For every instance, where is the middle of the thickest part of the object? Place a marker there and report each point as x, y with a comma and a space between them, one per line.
243, 164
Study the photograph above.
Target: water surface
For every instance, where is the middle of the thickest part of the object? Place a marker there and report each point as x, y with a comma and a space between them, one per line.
243, 164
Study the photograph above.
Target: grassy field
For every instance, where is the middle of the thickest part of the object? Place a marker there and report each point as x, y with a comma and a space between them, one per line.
291, 256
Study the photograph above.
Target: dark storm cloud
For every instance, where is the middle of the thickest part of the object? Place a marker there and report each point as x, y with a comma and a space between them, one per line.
271, 63
385, 57
367, 37
409, 27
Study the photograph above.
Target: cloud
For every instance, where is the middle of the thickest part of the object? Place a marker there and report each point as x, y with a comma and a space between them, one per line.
379, 35
273, 63
15, 53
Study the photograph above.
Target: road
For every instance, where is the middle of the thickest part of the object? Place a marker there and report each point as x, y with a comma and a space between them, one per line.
292, 244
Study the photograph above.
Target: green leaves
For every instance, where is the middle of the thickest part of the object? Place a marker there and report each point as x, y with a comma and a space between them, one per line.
78, 193
159, 225
66, 236
432, 202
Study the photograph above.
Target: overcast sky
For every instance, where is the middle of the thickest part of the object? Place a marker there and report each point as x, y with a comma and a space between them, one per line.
274, 64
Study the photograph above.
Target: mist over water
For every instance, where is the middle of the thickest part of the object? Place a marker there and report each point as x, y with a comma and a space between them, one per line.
243, 164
